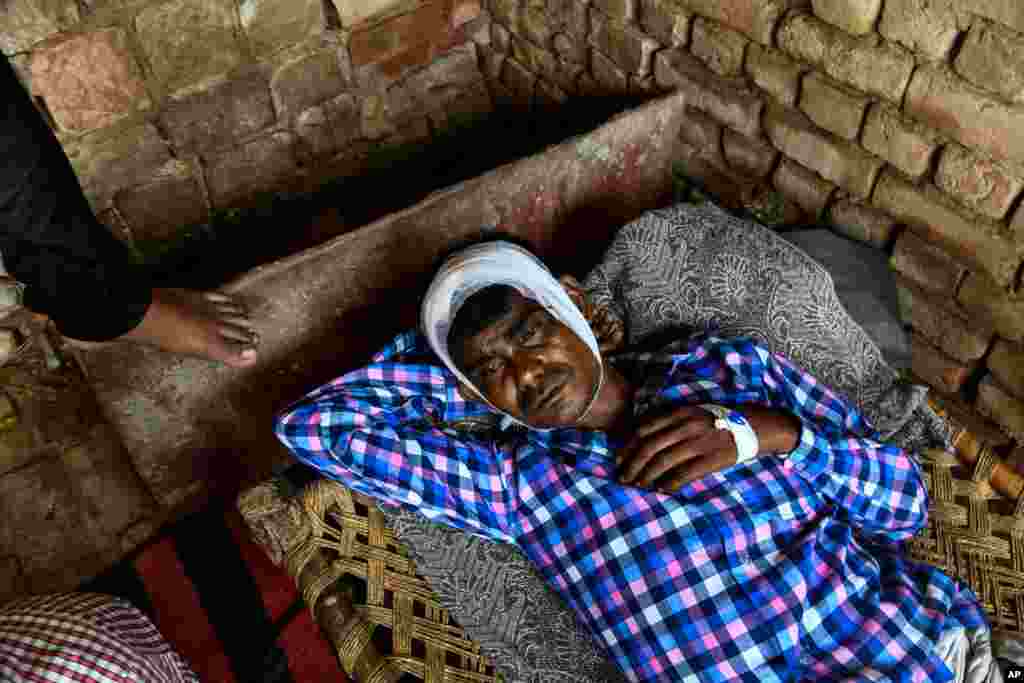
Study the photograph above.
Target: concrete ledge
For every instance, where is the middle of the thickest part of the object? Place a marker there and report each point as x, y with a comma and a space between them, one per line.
194, 428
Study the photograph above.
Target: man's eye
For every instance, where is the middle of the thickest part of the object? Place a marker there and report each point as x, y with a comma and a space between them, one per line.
490, 367
530, 335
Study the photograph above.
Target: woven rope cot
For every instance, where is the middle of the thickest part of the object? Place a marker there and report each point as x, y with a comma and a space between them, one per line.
975, 532
976, 525
328, 533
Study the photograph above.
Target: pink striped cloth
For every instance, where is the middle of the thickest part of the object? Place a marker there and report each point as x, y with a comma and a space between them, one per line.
84, 638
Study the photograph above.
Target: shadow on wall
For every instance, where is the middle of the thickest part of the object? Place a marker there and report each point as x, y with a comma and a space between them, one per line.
398, 177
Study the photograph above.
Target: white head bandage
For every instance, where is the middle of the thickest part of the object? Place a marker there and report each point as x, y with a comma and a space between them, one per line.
498, 263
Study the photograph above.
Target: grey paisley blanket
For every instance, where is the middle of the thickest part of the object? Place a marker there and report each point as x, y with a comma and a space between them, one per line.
670, 273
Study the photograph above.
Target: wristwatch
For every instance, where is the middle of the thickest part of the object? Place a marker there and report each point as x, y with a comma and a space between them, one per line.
742, 433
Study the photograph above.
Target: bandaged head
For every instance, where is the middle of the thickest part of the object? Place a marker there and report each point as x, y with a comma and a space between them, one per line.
499, 263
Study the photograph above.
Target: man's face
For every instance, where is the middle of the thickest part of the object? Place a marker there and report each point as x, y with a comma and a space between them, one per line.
531, 366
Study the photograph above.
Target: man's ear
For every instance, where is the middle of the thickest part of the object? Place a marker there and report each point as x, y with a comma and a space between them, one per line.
574, 289
608, 329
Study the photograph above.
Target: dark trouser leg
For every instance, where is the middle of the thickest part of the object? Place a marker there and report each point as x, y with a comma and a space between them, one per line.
74, 270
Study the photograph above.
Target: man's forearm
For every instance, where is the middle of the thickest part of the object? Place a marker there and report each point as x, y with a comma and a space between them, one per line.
777, 431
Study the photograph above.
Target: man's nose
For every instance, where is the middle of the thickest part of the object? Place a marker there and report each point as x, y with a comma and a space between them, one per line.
529, 369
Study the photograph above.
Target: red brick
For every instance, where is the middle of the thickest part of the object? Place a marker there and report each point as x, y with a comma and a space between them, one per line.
997, 404
756, 18
446, 78
563, 73
986, 186
880, 69
929, 267
529, 55
161, 210
186, 41
492, 62
535, 24
832, 158
389, 70
316, 133
27, 22
1017, 228
853, 16
305, 82
88, 80
703, 133
928, 212
726, 189
560, 72
549, 96
108, 163
630, 49
501, 38
1007, 12
609, 77
259, 166
720, 48
666, 20
935, 368
519, 79
505, 11
428, 23
979, 121
752, 157
1006, 363
775, 73
834, 107
507, 99
806, 188
465, 11
351, 13
646, 86
570, 49
221, 115
906, 145
986, 301
993, 58
862, 223
929, 27
729, 102
620, 10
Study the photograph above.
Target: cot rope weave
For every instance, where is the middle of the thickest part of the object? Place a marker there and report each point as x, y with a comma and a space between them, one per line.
976, 526
975, 533
327, 533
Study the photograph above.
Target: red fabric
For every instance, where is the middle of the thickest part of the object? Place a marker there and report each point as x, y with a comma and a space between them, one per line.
310, 657
176, 604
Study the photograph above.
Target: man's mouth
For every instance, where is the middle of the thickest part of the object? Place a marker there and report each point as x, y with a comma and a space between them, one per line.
550, 395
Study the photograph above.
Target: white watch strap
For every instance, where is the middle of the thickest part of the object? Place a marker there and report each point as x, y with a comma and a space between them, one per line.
743, 434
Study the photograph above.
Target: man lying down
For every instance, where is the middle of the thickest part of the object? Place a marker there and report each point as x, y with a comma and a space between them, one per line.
711, 514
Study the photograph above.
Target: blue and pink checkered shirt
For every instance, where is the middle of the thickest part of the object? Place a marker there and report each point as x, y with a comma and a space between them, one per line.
777, 569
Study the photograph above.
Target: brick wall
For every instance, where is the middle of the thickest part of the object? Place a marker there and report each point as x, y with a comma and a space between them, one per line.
898, 123
171, 110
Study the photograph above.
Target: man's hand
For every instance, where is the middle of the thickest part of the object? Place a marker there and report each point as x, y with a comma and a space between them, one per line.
671, 450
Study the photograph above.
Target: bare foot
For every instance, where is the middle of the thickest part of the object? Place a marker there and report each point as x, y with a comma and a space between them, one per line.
204, 324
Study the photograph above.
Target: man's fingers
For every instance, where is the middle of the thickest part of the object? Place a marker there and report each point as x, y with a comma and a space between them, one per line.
659, 423
656, 447
694, 469
684, 474
669, 460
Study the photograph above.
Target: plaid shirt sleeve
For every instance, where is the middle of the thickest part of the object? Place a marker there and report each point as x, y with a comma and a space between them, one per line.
379, 431
877, 487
